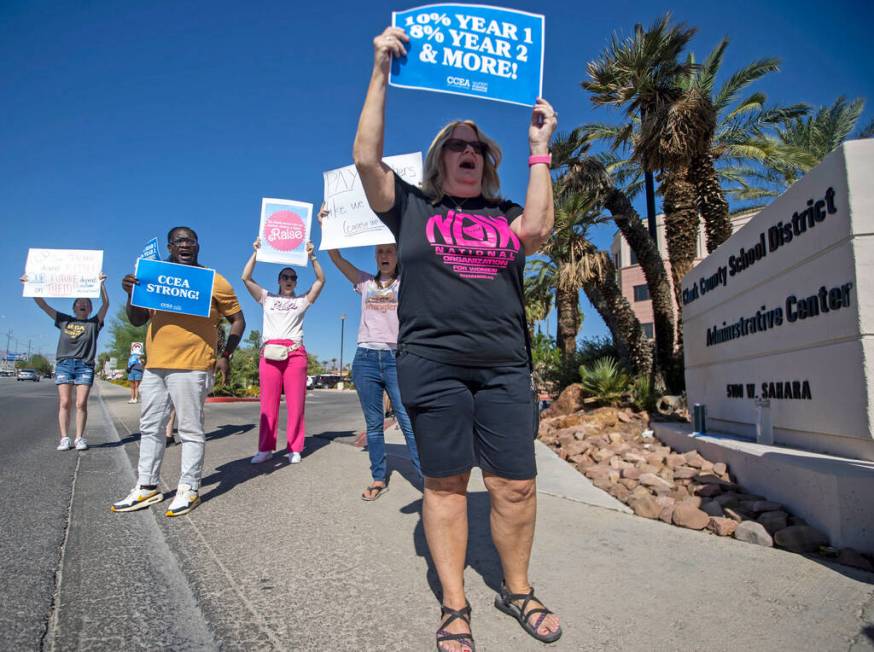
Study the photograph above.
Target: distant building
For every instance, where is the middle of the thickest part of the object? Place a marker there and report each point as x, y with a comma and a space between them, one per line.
630, 275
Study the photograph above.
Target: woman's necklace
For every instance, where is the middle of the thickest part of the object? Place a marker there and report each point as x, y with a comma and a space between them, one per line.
385, 284
458, 207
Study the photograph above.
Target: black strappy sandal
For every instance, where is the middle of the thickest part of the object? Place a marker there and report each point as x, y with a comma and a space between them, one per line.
455, 614
504, 602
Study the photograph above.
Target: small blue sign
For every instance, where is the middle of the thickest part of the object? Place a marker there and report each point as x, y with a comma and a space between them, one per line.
476, 50
172, 287
150, 251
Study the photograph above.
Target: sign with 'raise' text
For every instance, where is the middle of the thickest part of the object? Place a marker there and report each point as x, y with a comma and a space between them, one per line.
284, 231
172, 287
476, 50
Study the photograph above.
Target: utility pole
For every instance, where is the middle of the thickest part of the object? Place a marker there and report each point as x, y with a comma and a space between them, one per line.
342, 324
28, 348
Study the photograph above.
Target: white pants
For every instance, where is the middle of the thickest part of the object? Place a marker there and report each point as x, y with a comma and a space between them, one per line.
160, 390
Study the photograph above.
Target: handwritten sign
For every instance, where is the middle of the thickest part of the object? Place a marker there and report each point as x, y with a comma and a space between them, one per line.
284, 231
63, 273
475, 50
151, 251
171, 287
350, 222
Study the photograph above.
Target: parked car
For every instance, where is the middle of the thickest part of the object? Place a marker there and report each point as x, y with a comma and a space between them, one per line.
310, 382
28, 374
327, 381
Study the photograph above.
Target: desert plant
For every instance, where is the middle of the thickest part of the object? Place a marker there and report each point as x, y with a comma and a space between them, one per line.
642, 395
605, 381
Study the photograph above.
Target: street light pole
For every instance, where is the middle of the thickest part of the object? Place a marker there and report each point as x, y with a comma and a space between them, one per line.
342, 324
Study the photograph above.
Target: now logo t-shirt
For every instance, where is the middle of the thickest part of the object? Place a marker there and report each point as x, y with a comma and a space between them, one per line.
460, 299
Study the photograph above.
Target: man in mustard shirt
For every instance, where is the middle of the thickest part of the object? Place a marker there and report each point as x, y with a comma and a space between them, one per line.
181, 355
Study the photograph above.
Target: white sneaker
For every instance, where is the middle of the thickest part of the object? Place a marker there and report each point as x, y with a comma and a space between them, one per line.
138, 498
81, 444
185, 500
64, 444
131, 400
294, 458
261, 456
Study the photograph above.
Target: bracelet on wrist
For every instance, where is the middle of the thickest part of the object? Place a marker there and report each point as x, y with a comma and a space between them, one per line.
535, 159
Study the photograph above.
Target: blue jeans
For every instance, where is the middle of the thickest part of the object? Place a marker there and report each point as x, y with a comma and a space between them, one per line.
372, 372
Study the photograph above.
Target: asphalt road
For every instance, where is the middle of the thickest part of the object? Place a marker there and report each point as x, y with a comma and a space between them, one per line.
72, 574
36, 485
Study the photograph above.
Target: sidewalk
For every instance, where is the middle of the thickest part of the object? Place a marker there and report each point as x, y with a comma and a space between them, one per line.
289, 557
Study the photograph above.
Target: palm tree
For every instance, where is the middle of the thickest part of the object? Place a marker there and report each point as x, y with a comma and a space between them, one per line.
573, 263
639, 73
590, 175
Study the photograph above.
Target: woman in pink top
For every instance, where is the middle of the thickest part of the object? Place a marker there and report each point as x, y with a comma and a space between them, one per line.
374, 370
283, 328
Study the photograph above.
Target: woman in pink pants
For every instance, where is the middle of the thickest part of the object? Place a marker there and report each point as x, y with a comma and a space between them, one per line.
283, 360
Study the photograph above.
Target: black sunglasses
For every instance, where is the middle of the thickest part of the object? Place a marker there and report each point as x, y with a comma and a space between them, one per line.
178, 242
287, 277
459, 145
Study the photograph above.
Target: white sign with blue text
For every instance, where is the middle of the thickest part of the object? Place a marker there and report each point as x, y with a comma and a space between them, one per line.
171, 287
475, 50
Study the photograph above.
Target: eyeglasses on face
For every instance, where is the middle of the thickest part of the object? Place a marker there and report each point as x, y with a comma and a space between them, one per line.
287, 277
459, 145
179, 242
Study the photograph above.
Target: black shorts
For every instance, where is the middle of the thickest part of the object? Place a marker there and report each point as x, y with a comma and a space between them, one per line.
469, 416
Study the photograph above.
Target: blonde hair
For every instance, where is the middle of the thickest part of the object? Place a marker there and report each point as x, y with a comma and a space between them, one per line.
433, 174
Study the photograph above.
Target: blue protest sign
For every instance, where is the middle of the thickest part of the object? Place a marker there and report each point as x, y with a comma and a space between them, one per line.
475, 50
150, 251
171, 287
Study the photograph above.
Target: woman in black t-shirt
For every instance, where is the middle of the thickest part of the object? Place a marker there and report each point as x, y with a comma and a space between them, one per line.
463, 365
74, 360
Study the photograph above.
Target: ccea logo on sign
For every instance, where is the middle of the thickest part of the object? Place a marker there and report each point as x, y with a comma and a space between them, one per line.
458, 82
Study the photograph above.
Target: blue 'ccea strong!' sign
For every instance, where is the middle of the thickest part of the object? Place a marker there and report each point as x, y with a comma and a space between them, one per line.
171, 287
476, 50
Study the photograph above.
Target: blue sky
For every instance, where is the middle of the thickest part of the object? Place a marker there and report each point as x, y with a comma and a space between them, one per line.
122, 119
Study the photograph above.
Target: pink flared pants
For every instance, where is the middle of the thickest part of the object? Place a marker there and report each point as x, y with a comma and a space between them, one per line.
292, 375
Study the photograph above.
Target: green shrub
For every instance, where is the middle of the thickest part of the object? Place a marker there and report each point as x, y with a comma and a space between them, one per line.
642, 395
605, 381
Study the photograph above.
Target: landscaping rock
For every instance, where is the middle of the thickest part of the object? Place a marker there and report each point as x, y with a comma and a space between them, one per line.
674, 460
712, 508
774, 521
645, 506
689, 516
619, 492
568, 402
640, 492
652, 480
736, 514
667, 514
707, 490
850, 557
724, 527
684, 472
759, 506
800, 538
694, 459
576, 447
631, 473
753, 532
720, 469
728, 499
628, 483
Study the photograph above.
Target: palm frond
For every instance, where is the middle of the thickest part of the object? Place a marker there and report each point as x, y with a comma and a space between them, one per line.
742, 78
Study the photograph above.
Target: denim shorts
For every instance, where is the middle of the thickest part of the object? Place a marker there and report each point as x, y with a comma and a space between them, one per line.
72, 371
134, 375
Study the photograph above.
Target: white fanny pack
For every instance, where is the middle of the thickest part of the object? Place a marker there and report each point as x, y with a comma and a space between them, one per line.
278, 352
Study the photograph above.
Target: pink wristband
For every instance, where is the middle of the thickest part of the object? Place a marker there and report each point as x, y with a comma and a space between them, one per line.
539, 158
